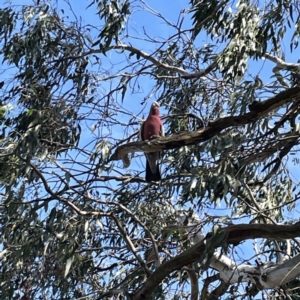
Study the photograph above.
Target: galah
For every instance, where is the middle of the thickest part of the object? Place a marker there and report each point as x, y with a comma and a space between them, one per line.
153, 126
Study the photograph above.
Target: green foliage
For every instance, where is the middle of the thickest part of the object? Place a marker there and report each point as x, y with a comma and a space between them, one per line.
248, 30
74, 223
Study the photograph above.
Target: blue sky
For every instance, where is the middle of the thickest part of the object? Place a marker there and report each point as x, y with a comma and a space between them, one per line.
158, 29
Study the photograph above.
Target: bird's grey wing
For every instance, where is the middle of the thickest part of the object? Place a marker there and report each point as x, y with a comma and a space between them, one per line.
141, 132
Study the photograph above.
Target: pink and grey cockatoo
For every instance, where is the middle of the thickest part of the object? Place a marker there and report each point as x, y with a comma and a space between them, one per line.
153, 126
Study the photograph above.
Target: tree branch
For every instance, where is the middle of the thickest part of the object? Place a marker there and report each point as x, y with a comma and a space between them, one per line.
55, 196
149, 57
130, 245
194, 282
257, 111
129, 212
281, 64
234, 234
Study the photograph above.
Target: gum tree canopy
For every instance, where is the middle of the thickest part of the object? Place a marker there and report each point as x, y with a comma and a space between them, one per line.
78, 220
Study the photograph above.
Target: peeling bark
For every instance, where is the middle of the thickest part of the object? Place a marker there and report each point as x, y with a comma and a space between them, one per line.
267, 276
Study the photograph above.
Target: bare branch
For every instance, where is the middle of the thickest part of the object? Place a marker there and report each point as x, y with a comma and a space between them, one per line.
130, 244
155, 249
281, 64
149, 57
55, 196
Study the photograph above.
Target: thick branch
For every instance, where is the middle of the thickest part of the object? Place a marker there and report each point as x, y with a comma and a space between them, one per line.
258, 110
281, 143
234, 235
281, 64
265, 276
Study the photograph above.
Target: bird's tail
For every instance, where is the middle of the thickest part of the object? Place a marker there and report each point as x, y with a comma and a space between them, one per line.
150, 176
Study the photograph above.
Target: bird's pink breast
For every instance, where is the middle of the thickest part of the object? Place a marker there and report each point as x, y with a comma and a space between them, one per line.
152, 127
